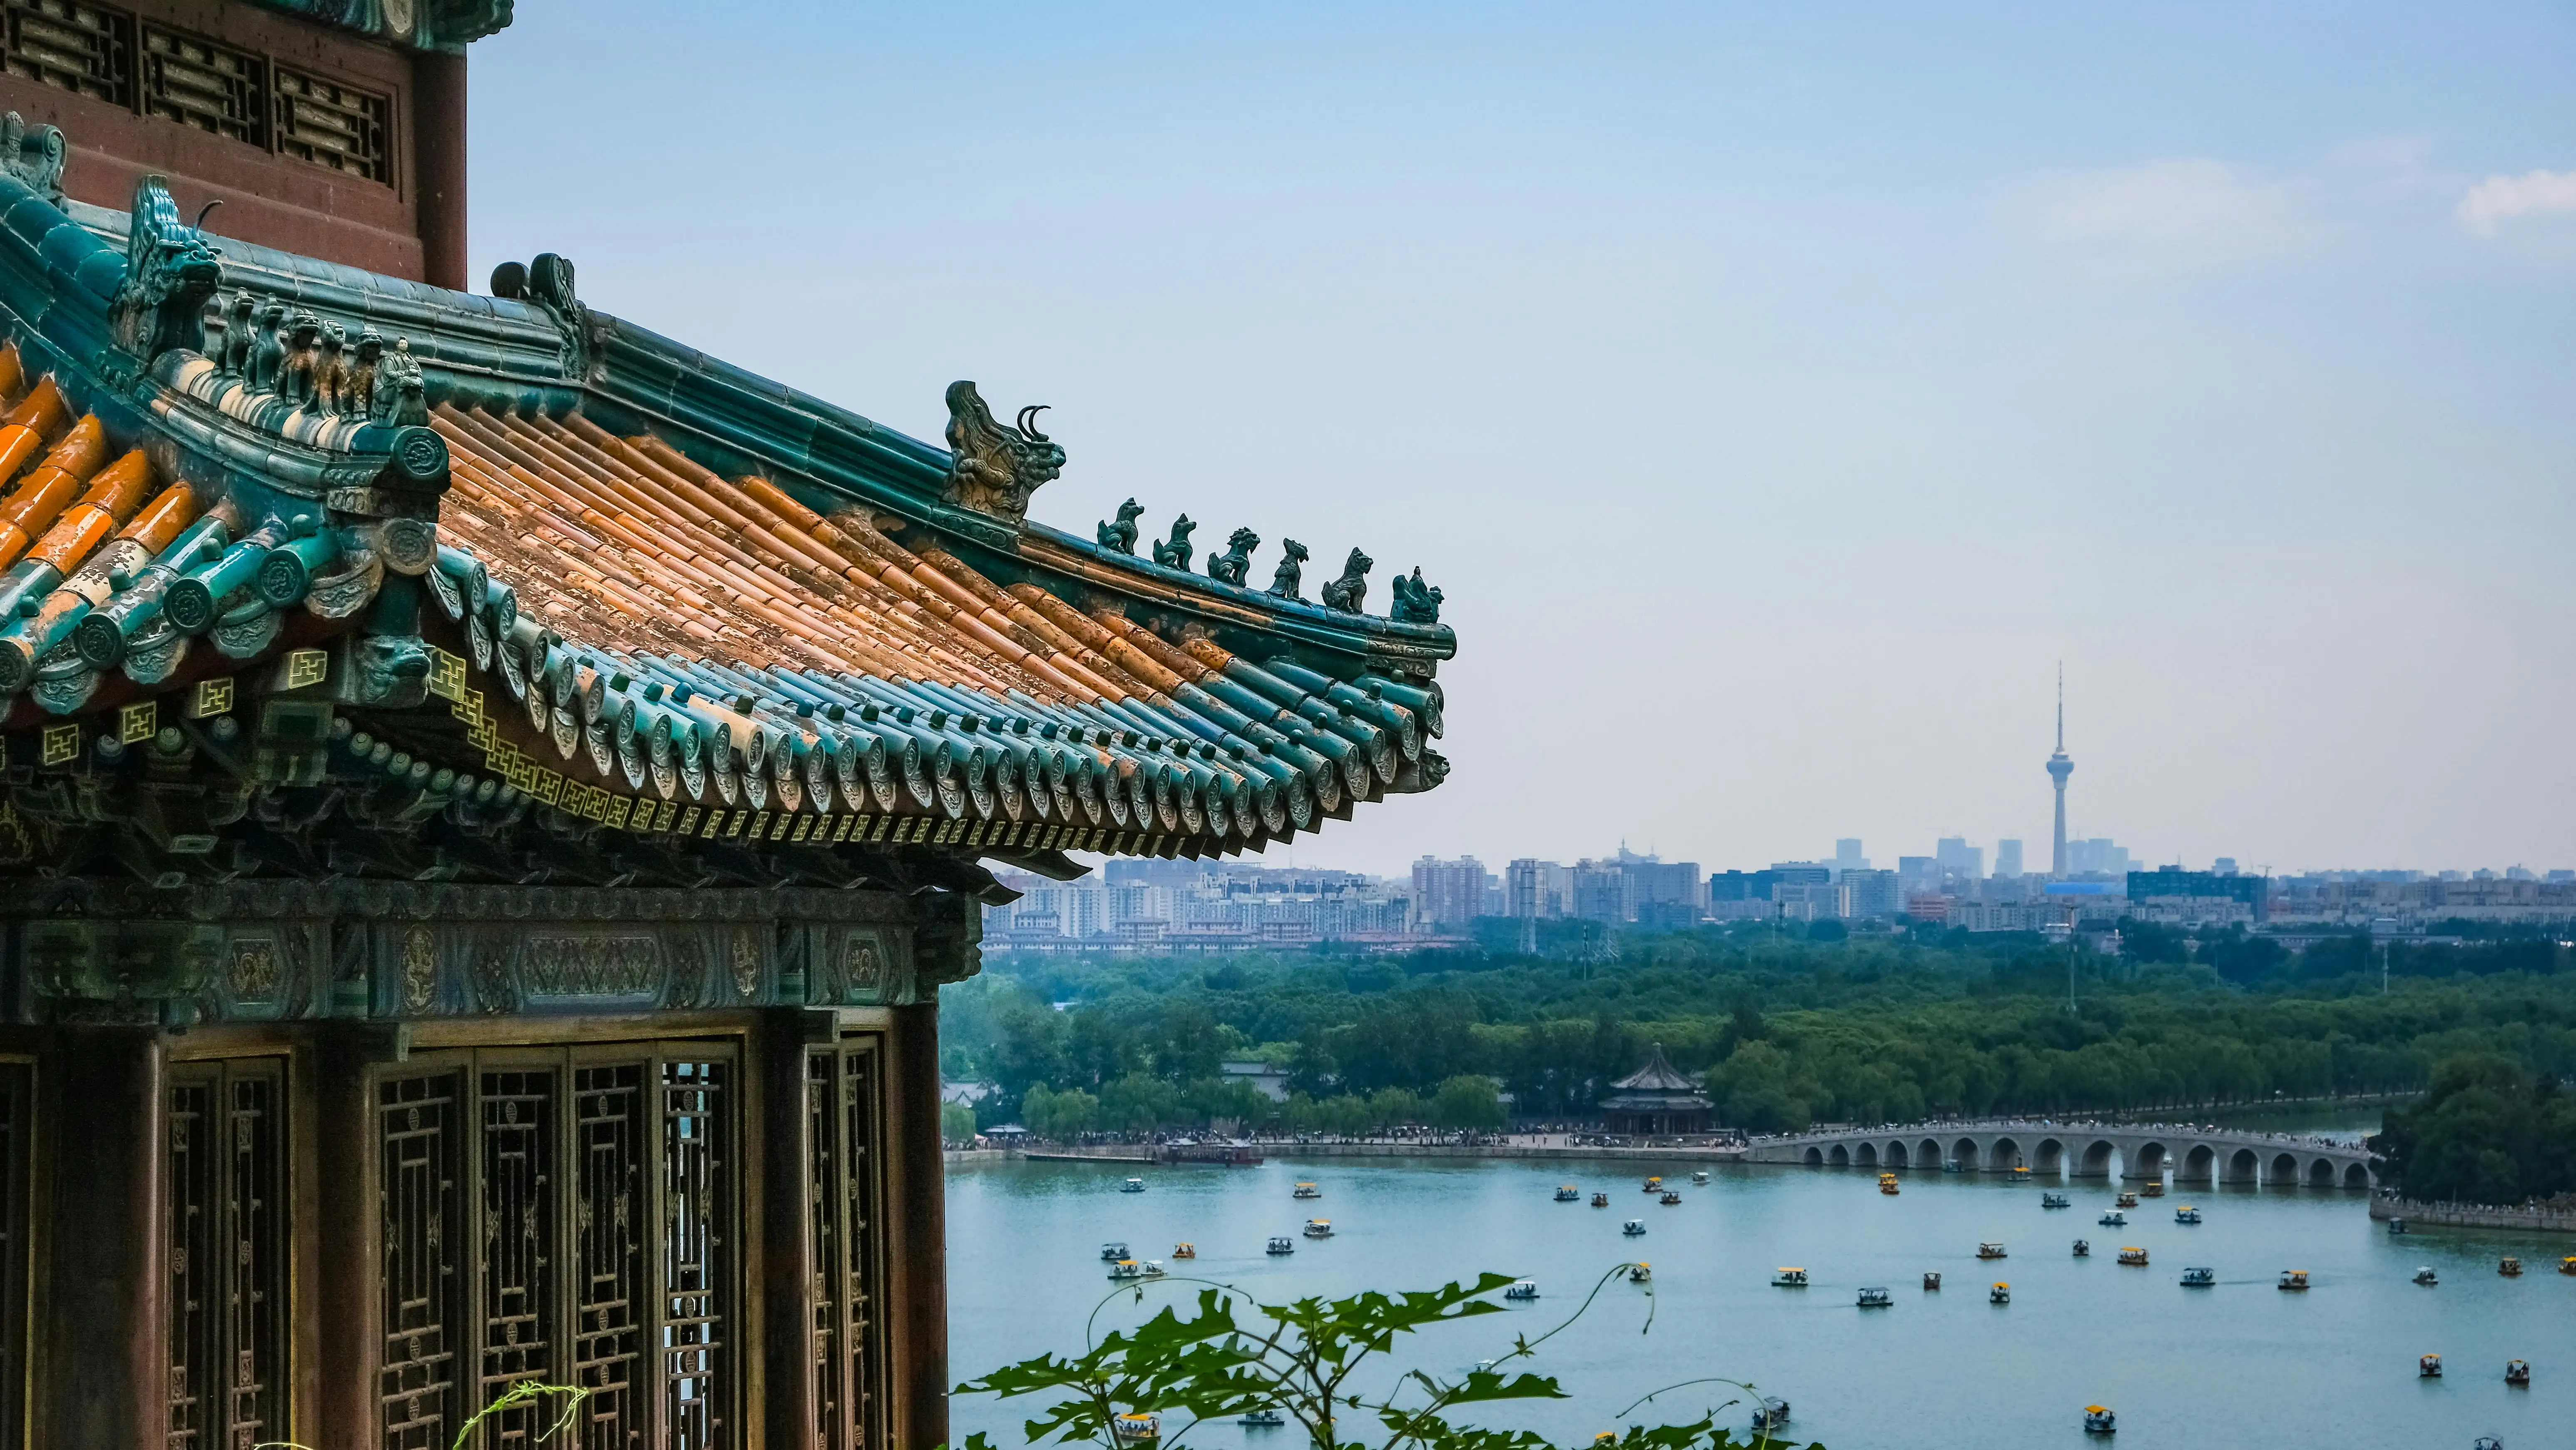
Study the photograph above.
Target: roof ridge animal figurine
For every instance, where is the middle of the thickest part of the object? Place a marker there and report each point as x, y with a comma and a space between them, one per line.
1122, 534
1231, 566
170, 271
1350, 592
993, 467
1415, 602
1285, 579
1174, 553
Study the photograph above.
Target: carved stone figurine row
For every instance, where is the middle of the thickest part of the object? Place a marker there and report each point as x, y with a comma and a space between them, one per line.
1415, 601
312, 364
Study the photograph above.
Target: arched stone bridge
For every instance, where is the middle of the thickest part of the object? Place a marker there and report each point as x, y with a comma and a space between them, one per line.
2049, 1150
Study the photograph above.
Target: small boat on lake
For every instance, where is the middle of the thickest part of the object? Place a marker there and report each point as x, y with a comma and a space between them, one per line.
1185, 1251
2509, 1267
2098, 1420
2567, 1265
1633, 1227
2134, 1257
1641, 1272
1127, 1269
2428, 1367
1112, 1252
2516, 1372
1282, 1244
1771, 1414
1601, 1200
1261, 1418
2155, 1188
2083, 1249
1887, 1184
2125, 1200
2021, 1173
1990, 1251
2055, 1200
2199, 1278
1953, 1165
1669, 1199
1136, 1428
1789, 1278
1699, 1175
2426, 1277
2186, 1214
1522, 1289
1132, 1185
1568, 1193
1932, 1280
2293, 1280
1318, 1228
1655, 1185
2113, 1218
2001, 1293
1306, 1190
1876, 1298
2397, 1225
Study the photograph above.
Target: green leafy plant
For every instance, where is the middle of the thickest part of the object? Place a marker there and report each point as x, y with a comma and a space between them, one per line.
523, 1394
1305, 1360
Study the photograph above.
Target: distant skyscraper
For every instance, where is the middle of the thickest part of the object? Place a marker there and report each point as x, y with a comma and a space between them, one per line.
1958, 858
2008, 859
2059, 768
1847, 856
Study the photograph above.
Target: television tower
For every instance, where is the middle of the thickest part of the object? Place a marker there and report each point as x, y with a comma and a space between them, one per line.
2059, 768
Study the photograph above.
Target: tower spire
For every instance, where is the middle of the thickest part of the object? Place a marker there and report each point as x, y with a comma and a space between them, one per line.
2061, 707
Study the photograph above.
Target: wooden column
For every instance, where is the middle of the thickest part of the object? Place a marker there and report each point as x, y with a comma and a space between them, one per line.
438, 114
922, 1217
101, 1380
343, 1294
786, 1268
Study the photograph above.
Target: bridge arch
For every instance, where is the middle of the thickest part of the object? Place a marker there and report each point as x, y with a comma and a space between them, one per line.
2096, 1160
1865, 1156
2284, 1171
2199, 1165
1929, 1153
2321, 1173
1965, 1153
2048, 1157
2243, 1166
2002, 1155
2356, 1175
1839, 1157
1895, 1156
1815, 1157
2149, 1161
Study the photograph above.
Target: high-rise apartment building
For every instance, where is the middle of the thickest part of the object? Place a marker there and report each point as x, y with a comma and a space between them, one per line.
1958, 858
1448, 893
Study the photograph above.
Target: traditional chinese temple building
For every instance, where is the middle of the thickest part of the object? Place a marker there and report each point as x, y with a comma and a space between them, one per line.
1656, 1101
493, 793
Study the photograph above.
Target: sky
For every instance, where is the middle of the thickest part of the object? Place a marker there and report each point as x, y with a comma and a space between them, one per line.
1777, 393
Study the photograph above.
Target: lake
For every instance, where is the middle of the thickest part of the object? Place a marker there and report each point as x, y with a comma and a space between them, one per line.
2238, 1364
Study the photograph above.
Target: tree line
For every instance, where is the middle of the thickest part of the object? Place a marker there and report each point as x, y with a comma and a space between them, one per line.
1789, 1030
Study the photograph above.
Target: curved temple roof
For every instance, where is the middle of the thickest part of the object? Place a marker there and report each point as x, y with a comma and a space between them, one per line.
281, 540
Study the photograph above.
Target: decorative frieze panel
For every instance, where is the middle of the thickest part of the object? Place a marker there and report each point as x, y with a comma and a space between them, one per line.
288, 951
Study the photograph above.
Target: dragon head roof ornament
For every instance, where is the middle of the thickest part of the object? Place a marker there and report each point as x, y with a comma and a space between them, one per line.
995, 467
170, 271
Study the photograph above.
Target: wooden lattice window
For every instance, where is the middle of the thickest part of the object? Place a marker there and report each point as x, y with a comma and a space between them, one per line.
17, 1123
333, 124
844, 1101
87, 49
205, 84
225, 1236
600, 1252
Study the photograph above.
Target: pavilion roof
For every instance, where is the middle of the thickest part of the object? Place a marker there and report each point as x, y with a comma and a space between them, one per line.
564, 567
1657, 1076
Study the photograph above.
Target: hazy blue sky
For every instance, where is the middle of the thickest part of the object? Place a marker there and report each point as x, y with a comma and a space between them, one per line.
1776, 392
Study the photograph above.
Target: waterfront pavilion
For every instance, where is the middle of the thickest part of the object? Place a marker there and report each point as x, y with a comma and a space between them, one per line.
493, 793
1658, 1100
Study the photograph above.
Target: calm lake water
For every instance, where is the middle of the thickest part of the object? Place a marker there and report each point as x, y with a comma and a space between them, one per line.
2241, 1364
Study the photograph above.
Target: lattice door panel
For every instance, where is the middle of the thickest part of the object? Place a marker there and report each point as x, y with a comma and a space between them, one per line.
845, 1198
225, 1237
420, 1148
17, 1124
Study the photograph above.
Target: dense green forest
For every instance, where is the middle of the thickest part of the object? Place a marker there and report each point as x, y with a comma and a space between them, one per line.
2487, 1131
1792, 1030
